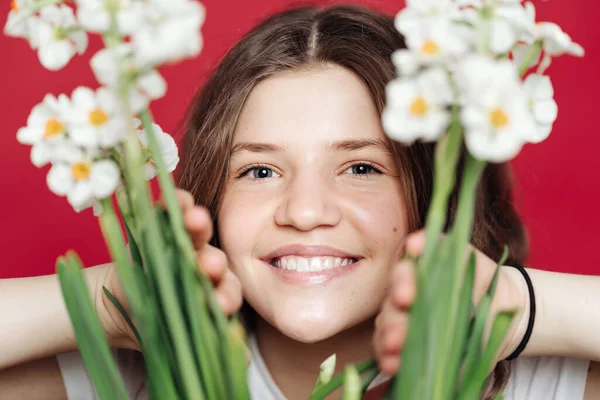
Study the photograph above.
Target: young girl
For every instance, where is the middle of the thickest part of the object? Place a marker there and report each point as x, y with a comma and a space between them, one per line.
312, 208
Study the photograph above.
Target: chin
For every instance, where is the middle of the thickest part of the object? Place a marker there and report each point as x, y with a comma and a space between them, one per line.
309, 331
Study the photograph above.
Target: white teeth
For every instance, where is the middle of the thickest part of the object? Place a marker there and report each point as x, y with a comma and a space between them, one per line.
316, 264
302, 264
311, 264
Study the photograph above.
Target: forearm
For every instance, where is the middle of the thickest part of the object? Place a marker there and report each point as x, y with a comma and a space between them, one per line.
34, 322
567, 321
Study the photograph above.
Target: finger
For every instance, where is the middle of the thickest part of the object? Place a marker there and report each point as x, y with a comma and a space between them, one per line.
198, 223
184, 199
213, 262
389, 364
404, 289
415, 243
390, 327
229, 293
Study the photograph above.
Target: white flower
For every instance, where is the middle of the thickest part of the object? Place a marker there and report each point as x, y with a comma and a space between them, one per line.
495, 115
433, 41
21, 22
95, 119
540, 100
82, 179
417, 107
417, 12
46, 129
168, 150
58, 37
148, 85
555, 42
170, 31
508, 25
95, 15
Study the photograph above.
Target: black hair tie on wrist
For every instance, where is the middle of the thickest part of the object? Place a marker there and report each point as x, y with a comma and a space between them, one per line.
529, 330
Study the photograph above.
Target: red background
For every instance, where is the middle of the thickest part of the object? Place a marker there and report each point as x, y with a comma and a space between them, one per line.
558, 182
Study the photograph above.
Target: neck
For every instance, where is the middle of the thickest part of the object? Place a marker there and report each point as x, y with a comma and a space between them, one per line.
294, 366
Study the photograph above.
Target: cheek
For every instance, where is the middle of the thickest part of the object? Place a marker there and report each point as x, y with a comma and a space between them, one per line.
381, 218
241, 218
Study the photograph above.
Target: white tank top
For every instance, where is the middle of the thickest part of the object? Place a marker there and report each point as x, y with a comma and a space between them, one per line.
532, 378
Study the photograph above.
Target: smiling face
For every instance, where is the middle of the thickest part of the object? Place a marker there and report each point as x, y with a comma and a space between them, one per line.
313, 214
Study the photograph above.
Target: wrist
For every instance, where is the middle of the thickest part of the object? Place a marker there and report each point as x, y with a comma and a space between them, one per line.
97, 277
515, 296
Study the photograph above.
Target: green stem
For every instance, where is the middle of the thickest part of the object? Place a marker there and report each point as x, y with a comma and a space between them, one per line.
459, 237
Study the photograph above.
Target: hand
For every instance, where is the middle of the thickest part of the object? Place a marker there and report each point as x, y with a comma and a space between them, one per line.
211, 260
392, 322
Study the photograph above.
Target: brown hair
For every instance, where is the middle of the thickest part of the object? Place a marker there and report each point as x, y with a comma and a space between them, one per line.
362, 41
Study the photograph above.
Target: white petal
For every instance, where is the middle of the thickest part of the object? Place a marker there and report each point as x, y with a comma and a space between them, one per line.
85, 136
395, 126
27, 135
41, 154
83, 98
93, 18
502, 36
546, 111
538, 87
405, 62
54, 55
149, 171
80, 196
435, 125
105, 66
488, 146
60, 179
104, 178
79, 41
542, 133
152, 85
474, 118
137, 100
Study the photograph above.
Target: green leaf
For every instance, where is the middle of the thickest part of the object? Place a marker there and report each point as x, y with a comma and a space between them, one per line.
123, 313
475, 381
458, 350
91, 339
237, 343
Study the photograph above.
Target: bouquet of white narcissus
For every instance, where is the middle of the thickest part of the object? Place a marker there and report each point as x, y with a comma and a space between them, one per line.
103, 141
461, 81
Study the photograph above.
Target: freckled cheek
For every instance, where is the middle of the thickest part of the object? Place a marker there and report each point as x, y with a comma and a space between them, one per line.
381, 218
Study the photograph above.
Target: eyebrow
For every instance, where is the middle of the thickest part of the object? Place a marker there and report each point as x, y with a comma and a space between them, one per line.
341, 145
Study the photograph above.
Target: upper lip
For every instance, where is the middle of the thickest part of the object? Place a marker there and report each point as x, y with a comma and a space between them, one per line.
308, 251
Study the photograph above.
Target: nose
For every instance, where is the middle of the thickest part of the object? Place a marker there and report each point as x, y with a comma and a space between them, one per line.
308, 203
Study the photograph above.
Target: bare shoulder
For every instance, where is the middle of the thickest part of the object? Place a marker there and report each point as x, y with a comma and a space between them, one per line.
592, 385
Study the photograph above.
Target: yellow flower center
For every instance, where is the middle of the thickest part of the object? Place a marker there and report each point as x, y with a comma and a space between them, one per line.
98, 117
419, 107
430, 48
81, 170
498, 118
14, 6
53, 128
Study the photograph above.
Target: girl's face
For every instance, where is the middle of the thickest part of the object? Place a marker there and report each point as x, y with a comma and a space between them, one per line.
313, 215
